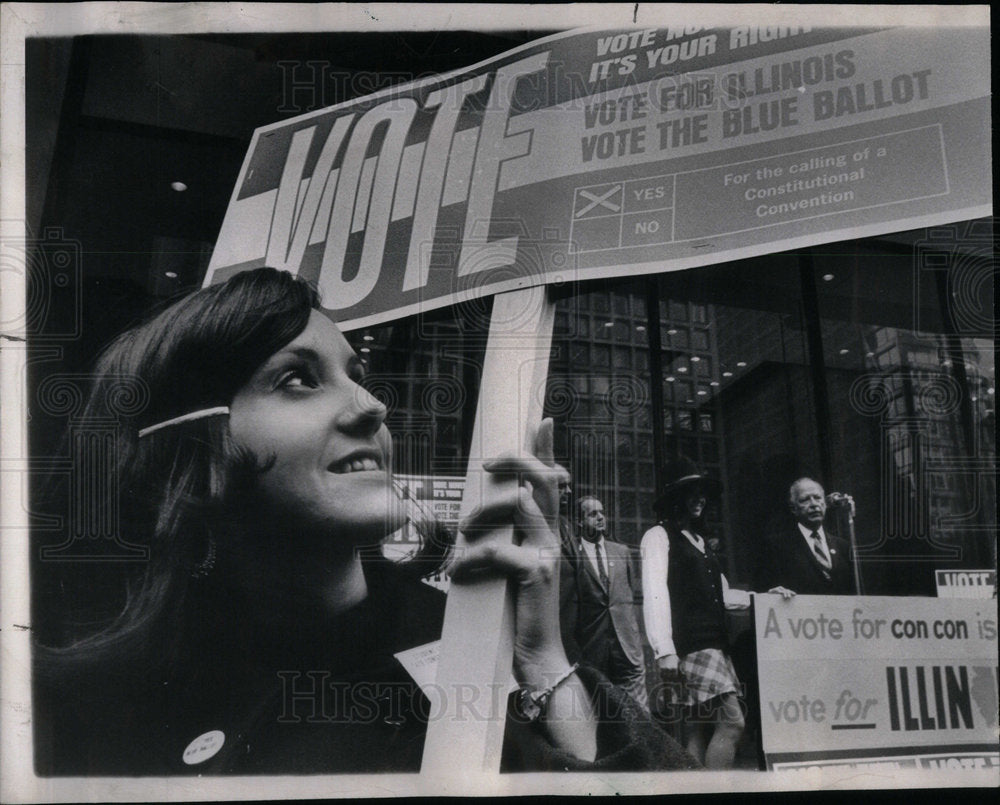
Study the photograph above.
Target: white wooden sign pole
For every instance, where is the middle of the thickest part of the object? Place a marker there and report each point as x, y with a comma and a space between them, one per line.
465, 732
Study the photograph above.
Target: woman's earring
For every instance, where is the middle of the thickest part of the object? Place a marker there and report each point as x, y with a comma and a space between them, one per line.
204, 567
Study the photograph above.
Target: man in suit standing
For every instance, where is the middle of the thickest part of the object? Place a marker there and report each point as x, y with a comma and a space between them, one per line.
564, 483
804, 558
569, 597
598, 614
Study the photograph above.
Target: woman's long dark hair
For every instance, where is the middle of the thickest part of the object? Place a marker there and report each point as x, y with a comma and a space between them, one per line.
179, 483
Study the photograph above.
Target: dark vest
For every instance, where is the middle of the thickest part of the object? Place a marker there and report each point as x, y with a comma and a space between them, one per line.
698, 612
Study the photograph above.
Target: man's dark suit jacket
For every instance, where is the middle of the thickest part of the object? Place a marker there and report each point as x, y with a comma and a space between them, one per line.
788, 561
591, 617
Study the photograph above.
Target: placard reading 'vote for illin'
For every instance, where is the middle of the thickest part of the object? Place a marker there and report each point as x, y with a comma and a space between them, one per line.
876, 676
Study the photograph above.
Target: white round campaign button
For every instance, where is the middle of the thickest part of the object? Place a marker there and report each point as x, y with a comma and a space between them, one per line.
203, 747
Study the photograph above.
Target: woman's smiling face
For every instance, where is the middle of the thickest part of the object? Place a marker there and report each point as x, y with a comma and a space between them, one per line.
695, 502
322, 439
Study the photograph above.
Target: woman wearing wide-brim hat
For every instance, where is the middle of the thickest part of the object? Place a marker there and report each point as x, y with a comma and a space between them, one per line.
685, 596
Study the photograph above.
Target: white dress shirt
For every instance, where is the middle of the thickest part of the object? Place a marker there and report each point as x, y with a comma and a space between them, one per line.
656, 613
807, 535
590, 551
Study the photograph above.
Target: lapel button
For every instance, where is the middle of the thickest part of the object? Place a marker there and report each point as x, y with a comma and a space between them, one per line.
203, 747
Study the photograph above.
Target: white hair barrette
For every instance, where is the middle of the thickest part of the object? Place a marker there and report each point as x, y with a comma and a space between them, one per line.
177, 420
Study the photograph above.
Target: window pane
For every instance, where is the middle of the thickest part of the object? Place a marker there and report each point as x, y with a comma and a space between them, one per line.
909, 372
750, 412
602, 440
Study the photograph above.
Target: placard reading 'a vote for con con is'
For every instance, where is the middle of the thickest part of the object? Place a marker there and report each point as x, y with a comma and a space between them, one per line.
856, 681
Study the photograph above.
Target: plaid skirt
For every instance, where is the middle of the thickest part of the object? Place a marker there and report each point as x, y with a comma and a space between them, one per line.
707, 673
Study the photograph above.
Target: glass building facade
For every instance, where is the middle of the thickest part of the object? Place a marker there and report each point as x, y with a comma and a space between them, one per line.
867, 365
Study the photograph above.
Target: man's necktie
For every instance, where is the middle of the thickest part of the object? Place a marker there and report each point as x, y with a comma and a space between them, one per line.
601, 572
819, 550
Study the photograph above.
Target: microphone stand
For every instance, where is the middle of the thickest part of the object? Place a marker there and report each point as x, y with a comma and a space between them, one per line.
838, 500
848, 509
854, 552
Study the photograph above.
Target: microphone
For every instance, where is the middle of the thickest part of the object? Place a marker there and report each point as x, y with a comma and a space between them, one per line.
840, 500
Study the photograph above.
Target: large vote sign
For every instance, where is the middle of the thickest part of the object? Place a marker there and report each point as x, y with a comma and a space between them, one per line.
877, 682
602, 153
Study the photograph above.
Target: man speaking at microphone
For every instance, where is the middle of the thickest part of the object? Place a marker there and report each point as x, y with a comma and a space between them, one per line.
804, 558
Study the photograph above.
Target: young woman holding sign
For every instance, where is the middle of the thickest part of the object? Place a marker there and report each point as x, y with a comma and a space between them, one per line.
262, 633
